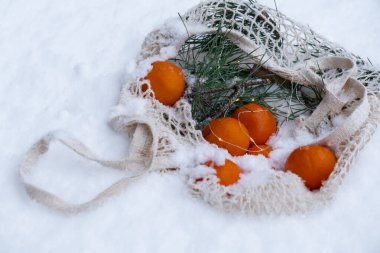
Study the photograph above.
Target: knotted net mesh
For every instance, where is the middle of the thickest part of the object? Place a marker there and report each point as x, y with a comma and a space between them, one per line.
287, 48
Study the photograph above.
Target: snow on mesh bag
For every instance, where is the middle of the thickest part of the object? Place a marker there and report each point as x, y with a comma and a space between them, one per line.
165, 138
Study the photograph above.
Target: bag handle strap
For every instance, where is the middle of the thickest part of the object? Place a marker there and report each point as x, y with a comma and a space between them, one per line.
53, 201
340, 91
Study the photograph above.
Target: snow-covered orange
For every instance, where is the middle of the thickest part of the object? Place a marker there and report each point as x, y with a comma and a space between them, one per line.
167, 81
259, 121
228, 133
313, 164
228, 174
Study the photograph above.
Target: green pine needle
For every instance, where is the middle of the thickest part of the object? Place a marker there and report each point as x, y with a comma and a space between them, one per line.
221, 77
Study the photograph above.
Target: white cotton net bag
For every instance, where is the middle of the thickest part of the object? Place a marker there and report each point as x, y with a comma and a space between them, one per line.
291, 51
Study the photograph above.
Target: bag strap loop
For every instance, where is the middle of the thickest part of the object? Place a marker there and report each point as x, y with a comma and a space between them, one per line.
142, 141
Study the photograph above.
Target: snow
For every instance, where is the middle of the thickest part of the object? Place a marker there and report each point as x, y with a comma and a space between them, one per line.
132, 108
62, 65
288, 138
256, 170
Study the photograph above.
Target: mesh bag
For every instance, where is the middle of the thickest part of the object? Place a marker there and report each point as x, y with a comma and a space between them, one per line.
290, 50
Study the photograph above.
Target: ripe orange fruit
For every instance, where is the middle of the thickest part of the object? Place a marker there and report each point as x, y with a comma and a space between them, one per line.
228, 133
259, 121
313, 164
167, 81
228, 174
259, 150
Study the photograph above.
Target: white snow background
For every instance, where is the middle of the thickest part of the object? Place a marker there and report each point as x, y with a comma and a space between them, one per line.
62, 64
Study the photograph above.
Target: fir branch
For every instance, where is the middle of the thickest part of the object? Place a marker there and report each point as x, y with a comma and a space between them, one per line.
225, 78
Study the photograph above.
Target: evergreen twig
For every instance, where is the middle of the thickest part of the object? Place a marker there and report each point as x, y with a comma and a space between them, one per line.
221, 77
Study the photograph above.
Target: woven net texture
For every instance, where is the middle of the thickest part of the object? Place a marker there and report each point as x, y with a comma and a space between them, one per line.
288, 47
